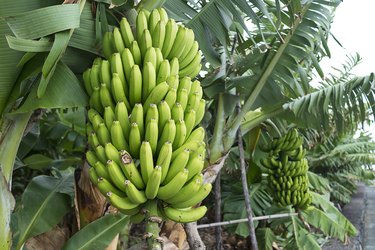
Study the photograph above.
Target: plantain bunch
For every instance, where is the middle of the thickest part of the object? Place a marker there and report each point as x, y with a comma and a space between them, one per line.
287, 168
145, 143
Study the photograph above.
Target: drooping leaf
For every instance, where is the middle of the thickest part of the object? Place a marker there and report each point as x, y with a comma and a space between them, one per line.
6, 208
265, 238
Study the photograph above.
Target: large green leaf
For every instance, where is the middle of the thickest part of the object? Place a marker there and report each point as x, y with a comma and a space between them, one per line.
98, 234
64, 91
265, 238
6, 208
43, 204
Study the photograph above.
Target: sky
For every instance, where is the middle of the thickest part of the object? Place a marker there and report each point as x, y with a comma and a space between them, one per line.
353, 26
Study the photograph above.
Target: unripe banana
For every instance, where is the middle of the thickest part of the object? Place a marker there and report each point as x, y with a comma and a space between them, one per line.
101, 170
159, 58
137, 117
105, 96
152, 113
117, 40
171, 97
158, 34
105, 73
89, 128
194, 165
163, 14
136, 196
190, 38
122, 116
93, 140
185, 215
116, 175
182, 98
117, 137
199, 114
168, 134
97, 61
106, 186
185, 83
87, 82
149, 79
164, 72
94, 76
171, 188
180, 134
150, 56
93, 176
179, 43
122, 203
186, 192
146, 161
141, 23
153, 19
164, 159
100, 153
135, 85
126, 32
130, 170
194, 87
157, 94
153, 183
118, 92
151, 134
197, 135
116, 67
190, 56
145, 42
193, 69
177, 112
136, 52
109, 116
173, 81
171, 29
192, 146
189, 121
103, 134
134, 140
164, 114
199, 196
112, 153
108, 49
95, 118
174, 66
91, 158
177, 165
127, 63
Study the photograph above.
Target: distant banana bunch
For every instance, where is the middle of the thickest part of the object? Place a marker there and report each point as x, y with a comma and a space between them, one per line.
143, 118
287, 168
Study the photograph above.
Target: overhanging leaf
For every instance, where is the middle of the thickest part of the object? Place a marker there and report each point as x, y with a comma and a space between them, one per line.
6, 208
98, 234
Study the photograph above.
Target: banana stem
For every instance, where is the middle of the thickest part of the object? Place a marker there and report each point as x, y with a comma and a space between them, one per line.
152, 226
216, 146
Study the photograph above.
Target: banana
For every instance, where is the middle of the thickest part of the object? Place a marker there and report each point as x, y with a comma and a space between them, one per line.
164, 114
194, 87
116, 67
163, 14
127, 63
192, 146
177, 112
145, 42
108, 49
174, 66
185, 83
171, 29
152, 113
173, 81
135, 85
185, 215
131, 212
189, 121
112, 153
91, 158
168, 134
93, 140
163, 72
164, 159
106, 186
94, 76
146, 161
87, 82
153, 19
97, 61
121, 113
93, 176
151, 134
193, 101
136, 196
199, 114
182, 98
171, 188
150, 56
109, 116
153, 183
105, 73
159, 58
179, 43
118, 92
136, 52
122, 203
186, 191
117, 40
94, 118
180, 134
117, 177
126, 32
193, 72
101, 170
134, 140
130, 170
171, 97
100, 153
199, 196
177, 165
149, 79
190, 56
103, 134
137, 218
137, 116
158, 34
157, 94
194, 165
105, 96
117, 137
189, 42
141, 23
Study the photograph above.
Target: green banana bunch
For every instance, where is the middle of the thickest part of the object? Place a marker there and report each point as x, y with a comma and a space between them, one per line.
143, 118
287, 168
